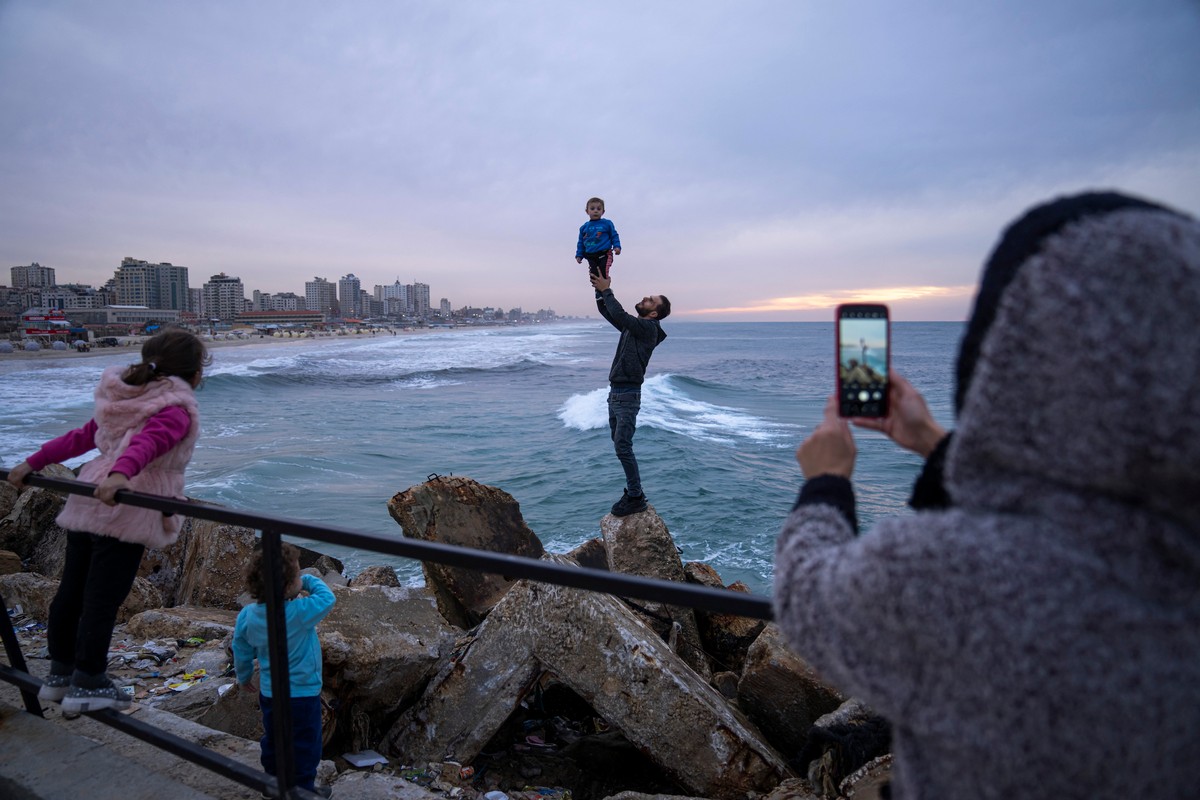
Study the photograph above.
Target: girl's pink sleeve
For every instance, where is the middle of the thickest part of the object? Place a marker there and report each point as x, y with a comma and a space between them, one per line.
161, 432
69, 445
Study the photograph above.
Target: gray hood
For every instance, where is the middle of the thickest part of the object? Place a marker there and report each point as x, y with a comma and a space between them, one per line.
1087, 383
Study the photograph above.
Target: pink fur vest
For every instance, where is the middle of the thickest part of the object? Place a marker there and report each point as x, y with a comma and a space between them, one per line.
121, 411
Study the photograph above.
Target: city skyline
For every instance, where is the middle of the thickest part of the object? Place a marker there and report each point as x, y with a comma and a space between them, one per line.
761, 161
143, 284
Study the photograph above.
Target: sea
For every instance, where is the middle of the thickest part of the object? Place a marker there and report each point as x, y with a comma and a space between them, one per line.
327, 430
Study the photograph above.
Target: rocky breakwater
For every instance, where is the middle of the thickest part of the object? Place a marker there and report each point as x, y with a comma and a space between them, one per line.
477, 682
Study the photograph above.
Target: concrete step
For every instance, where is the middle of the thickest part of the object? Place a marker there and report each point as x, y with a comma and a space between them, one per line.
40, 760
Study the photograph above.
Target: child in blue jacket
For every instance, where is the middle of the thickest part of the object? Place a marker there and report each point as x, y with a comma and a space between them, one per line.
598, 240
304, 659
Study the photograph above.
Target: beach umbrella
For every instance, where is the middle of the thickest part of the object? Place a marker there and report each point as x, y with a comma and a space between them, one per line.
6, 347
32, 346
59, 346
78, 343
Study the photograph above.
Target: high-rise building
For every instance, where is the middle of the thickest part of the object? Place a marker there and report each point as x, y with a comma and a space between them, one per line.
141, 283
321, 295
350, 295
445, 306
33, 276
196, 303
224, 297
419, 294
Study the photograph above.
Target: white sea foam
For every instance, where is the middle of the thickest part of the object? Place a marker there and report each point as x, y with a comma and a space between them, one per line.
667, 407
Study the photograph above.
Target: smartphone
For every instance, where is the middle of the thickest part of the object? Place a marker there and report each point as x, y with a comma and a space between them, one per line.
863, 359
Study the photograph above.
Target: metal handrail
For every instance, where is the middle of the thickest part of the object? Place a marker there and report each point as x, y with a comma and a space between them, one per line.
510, 566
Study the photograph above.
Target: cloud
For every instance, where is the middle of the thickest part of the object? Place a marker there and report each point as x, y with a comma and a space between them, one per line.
768, 149
827, 300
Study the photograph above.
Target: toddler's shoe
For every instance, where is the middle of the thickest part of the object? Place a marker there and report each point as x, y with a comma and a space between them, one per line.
54, 688
79, 700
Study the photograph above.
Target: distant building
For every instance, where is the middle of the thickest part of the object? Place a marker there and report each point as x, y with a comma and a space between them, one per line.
142, 283
44, 322
70, 296
419, 294
350, 296
132, 317
224, 297
445, 307
261, 318
321, 295
287, 301
32, 277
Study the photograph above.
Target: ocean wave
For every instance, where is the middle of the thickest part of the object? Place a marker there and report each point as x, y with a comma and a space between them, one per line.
667, 405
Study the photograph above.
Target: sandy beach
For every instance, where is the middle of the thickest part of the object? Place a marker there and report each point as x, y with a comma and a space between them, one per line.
132, 344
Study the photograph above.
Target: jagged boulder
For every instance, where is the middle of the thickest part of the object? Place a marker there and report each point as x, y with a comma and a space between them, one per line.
204, 566
591, 554
182, 622
640, 544
604, 653
781, 693
461, 511
376, 576
10, 562
8, 497
33, 592
29, 590
380, 645
32, 515
726, 637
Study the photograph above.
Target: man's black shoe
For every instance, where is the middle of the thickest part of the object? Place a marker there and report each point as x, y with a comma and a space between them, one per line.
629, 505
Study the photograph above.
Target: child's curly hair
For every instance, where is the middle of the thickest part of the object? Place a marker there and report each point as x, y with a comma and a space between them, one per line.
257, 579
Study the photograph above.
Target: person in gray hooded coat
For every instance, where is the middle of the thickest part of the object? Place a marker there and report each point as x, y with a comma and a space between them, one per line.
1035, 631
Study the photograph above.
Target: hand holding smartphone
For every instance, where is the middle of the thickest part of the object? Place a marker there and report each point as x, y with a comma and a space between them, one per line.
863, 359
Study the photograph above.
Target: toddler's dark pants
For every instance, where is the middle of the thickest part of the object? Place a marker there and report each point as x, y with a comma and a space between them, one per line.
598, 263
306, 737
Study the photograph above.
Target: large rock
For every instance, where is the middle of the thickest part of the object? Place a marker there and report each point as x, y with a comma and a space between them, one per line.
640, 544
204, 566
726, 637
380, 646
8, 497
32, 516
781, 693
30, 591
591, 554
34, 593
376, 576
10, 562
460, 511
600, 649
182, 622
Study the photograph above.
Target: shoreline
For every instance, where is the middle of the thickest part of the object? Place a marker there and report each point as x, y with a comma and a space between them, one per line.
134, 343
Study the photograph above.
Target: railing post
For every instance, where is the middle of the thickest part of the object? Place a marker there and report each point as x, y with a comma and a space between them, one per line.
277, 646
16, 659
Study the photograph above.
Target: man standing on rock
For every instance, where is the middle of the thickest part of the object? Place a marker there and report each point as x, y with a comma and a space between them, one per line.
639, 336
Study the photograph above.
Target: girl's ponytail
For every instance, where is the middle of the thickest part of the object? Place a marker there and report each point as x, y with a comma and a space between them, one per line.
172, 352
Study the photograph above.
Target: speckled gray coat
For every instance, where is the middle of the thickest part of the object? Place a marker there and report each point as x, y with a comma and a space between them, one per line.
1041, 637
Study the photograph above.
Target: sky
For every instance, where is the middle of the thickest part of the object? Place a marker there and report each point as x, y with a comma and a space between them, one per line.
761, 159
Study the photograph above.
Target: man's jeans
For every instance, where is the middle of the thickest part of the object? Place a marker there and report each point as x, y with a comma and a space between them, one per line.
623, 407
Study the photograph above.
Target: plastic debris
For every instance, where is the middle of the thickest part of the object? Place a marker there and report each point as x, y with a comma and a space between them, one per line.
364, 758
187, 680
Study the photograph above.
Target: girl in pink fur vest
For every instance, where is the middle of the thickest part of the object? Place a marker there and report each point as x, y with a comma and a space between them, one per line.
145, 426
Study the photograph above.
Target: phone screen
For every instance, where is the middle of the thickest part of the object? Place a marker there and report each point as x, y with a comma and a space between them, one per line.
863, 360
